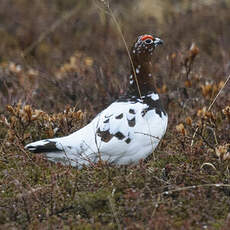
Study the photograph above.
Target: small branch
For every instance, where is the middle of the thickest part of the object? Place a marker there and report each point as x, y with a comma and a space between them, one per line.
146, 134
206, 142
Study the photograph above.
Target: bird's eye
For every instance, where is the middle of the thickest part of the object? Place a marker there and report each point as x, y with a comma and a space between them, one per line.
148, 41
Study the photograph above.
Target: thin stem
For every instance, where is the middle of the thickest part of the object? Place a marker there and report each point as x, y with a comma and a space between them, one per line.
210, 106
126, 46
193, 187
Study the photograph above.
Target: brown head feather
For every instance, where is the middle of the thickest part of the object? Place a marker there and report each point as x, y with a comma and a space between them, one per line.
141, 54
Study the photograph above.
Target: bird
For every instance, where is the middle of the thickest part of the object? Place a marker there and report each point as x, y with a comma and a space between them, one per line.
125, 132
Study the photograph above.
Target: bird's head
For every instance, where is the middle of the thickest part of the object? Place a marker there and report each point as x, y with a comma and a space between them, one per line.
141, 68
143, 48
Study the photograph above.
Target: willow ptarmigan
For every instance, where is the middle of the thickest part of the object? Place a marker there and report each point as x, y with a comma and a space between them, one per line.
126, 131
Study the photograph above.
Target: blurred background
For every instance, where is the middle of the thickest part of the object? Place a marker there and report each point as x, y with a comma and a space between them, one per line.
57, 53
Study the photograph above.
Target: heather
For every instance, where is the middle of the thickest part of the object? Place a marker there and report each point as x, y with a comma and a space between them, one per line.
62, 62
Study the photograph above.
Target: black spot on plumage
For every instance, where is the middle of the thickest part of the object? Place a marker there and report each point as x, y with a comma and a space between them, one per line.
144, 111
106, 121
131, 111
119, 135
132, 122
153, 104
106, 136
119, 116
128, 140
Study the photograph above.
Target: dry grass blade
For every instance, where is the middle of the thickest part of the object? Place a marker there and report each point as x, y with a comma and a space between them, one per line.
106, 3
193, 187
208, 164
111, 203
210, 106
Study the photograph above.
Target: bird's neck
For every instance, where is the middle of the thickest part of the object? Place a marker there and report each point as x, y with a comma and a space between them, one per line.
141, 80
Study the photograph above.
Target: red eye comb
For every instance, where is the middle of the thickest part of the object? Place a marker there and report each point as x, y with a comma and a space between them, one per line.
146, 37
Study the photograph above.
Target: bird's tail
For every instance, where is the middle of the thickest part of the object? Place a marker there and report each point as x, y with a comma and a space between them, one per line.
43, 146
53, 151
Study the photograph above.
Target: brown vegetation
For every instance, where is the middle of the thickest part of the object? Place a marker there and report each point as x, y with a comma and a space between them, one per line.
59, 58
